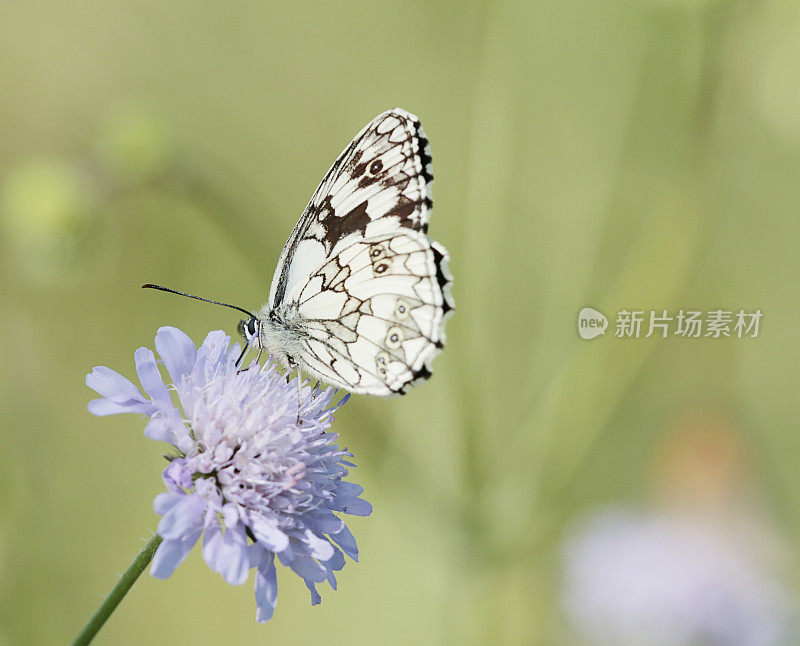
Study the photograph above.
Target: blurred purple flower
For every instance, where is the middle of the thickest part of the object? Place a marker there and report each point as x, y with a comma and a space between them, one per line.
668, 580
246, 476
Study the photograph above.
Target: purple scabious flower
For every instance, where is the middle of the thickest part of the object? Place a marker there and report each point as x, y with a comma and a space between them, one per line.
246, 476
670, 579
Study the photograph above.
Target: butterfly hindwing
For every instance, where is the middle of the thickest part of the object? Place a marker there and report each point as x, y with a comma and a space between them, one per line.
375, 312
367, 289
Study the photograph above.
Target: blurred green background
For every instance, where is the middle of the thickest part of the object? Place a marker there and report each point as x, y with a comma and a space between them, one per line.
620, 154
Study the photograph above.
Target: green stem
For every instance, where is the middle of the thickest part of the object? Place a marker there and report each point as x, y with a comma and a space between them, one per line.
120, 590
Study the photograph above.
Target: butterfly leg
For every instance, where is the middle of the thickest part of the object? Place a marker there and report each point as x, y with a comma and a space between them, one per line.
241, 356
244, 352
299, 391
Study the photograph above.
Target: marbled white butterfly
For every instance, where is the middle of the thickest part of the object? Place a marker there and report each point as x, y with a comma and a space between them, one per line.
360, 295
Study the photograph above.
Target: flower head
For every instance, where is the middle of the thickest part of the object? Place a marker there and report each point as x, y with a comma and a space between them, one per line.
669, 580
247, 476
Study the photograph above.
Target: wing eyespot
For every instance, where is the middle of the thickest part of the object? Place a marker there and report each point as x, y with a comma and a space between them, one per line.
382, 361
401, 309
394, 338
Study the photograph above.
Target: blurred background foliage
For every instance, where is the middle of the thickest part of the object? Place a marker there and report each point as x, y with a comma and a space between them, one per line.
618, 154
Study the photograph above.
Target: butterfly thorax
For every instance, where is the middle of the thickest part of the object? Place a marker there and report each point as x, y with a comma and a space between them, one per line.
281, 334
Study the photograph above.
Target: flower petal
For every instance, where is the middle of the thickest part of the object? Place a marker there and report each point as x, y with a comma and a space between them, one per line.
183, 517
266, 589
318, 547
352, 506
336, 562
315, 598
326, 523
215, 344
347, 542
177, 476
268, 534
171, 553
177, 351
233, 352
159, 428
349, 490
102, 407
151, 379
227, 553
119, 394
108, 383
163, 502
308, 568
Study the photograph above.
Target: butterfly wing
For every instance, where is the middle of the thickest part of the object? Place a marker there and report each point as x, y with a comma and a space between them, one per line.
370, 289
374, 314
384, 173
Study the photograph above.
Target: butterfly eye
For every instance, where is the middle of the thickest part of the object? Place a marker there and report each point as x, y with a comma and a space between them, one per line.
251, 326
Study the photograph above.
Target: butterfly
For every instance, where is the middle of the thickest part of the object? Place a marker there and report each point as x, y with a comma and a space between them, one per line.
361, 293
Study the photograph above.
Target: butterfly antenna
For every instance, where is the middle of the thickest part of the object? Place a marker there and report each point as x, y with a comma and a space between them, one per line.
207, 300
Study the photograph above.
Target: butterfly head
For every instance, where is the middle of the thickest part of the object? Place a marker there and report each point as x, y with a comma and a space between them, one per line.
250, 329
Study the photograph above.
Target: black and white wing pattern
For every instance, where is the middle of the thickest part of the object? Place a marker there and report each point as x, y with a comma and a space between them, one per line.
359, 282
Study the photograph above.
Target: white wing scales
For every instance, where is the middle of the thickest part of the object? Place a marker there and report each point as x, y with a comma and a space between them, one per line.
359, 281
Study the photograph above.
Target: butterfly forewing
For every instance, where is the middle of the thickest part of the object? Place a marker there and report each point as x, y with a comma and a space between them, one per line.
385, 173
368, 288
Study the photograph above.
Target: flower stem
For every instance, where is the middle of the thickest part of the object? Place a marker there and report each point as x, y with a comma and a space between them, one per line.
120, 590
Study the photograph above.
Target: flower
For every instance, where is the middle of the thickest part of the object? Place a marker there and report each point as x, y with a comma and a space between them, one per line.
670, 579
247, 476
